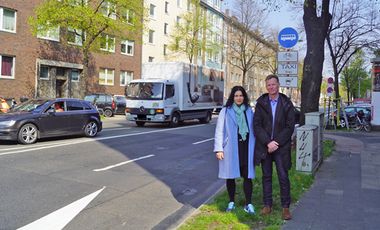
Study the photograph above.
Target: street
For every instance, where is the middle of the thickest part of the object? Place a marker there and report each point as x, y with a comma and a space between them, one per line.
127, 177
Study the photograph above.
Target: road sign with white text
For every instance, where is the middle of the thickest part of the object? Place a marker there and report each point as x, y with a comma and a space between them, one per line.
288, 37
288, 81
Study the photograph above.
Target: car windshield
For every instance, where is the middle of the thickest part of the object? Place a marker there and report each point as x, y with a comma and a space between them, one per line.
144, 90
31, 105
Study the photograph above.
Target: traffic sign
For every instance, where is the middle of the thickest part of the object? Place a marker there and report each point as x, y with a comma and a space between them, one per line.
288, 37
286, 81
330, 86
287, 56
290, 68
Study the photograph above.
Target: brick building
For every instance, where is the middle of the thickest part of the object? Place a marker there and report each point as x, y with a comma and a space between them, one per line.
46, 66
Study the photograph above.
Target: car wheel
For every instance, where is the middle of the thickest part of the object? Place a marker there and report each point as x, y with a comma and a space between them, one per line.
174, 121
91, 129
27, 134
342, 123
206, 119
140, 123
108, 113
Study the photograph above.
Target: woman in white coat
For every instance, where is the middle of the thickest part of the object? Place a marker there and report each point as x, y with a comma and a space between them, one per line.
234, 146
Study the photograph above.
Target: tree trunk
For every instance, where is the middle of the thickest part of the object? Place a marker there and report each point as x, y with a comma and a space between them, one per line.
316, 31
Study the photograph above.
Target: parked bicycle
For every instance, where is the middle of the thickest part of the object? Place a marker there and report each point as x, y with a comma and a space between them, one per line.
362, 122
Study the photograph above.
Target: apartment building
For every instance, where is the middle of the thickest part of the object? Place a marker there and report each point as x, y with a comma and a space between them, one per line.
164, 15
264, 60
49, 66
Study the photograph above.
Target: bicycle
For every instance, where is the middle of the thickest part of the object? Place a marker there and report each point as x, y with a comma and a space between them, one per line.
362, 122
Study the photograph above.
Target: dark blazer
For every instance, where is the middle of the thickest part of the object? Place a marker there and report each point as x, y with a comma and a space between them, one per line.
283, 127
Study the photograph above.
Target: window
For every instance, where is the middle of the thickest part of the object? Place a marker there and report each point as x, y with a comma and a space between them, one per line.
7, 68
179, 3
188, 5
169, 92
44, 72
107, 43
7, 20
75, 75
50, 34
129, 16
74, 105
166, 7
127, 47
125, 77
150, 59
151, 10
165, 49
151, 36
74, 36
178, 19
108, 9
165, 28
106, 76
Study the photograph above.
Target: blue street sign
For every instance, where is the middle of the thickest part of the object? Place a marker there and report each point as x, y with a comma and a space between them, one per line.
288, 37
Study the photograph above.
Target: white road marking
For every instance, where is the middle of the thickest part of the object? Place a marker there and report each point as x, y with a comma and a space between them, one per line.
200, 142
122, 163
31, 148
115, 129
58, 219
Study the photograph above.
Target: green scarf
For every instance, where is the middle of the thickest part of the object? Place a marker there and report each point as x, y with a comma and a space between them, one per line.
241, 121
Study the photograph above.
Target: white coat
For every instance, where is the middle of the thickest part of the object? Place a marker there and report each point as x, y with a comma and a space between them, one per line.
226, 141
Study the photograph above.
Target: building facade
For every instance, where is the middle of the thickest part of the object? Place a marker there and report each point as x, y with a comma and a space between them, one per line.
48, 65
264, 59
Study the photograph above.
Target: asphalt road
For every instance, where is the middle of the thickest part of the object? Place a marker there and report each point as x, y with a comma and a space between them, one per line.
126, 178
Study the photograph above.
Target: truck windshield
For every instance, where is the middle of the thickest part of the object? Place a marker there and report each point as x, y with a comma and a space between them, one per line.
144, 90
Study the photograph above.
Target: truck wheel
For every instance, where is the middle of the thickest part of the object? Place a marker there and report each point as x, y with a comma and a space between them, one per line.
140, 123
206, 119
108, 113
174, 121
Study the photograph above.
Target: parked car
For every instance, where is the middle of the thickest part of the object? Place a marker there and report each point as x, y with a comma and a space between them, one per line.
121, 103
104, 102
351, 112
39, 118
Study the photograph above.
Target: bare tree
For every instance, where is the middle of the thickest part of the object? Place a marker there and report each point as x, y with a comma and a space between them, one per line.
354, 26
248, 48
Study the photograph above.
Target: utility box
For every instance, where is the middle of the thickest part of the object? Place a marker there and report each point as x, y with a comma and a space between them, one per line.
316, 118
307, 148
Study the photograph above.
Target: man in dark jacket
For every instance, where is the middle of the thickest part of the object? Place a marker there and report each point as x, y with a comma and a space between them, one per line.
274, 126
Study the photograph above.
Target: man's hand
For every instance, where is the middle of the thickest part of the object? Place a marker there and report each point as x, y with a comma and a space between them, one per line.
272, 146
219, 155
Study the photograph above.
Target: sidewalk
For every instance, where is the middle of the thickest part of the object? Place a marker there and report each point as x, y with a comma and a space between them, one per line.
346, 189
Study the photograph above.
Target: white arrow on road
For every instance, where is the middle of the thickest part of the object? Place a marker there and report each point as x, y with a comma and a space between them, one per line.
58, 219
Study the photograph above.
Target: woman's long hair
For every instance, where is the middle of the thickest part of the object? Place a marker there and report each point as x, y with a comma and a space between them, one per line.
230, 99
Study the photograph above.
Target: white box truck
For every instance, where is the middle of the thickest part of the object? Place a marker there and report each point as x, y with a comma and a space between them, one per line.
172, 92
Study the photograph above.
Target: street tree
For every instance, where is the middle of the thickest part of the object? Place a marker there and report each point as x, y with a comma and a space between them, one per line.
93, 24
355, 78
192, 34
355, 25
248, 48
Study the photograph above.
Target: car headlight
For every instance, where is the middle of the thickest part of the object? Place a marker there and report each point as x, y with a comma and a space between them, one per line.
7, 123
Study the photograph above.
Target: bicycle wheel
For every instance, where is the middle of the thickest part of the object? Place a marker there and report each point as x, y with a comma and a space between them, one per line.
367, 127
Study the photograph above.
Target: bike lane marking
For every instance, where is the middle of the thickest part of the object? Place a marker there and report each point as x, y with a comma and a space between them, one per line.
95, 139
200, 142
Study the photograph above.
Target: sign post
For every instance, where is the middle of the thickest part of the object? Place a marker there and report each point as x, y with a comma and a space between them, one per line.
287, 68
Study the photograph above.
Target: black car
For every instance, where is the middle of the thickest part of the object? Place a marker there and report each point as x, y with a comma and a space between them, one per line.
105, 103
39, 118
121, 103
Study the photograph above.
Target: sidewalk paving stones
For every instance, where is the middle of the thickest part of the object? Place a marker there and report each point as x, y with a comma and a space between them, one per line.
346, 191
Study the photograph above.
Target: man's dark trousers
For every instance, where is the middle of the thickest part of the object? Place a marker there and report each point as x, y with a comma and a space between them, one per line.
282, 173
